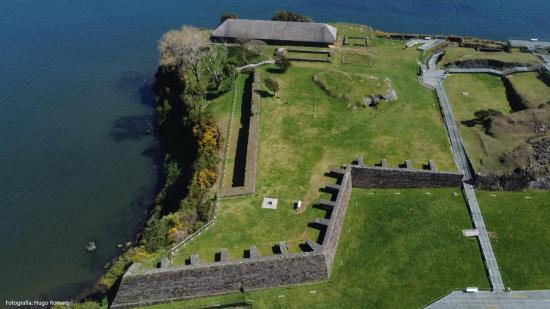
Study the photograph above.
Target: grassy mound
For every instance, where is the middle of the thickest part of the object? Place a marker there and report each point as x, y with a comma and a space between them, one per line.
351, 88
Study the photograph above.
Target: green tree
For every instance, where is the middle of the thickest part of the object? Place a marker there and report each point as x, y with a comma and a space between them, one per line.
226, 16
290, 16
272, 85
283, 63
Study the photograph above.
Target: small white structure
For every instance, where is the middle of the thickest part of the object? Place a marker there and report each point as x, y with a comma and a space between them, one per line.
298, 205
470, 233
270, 203
472, 289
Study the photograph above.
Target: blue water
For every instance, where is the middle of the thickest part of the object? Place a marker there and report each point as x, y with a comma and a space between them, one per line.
76, 161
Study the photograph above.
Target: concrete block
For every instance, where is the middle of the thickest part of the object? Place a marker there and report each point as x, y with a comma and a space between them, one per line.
314, 245
384, 163
165, 262
322, 221
408, 164
194, 260
254, 254
433, 167
224, 255
328, 205
283, 247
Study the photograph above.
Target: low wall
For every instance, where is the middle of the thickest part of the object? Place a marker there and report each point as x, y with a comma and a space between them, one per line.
142, 287
385, 177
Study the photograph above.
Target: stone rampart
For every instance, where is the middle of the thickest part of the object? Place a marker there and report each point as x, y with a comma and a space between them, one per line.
149, 286
386, 177
334, 228
141, 287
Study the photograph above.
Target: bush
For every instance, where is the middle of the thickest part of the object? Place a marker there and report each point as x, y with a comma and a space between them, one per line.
291, 16
226, 16
283, 63
272, 85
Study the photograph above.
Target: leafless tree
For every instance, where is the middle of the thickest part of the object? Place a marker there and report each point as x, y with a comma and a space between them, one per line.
183, 49
257, 46
215, 59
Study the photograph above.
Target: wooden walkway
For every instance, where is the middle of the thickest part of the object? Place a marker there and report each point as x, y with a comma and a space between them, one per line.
434, 79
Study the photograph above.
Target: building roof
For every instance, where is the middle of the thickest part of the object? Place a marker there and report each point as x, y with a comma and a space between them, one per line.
276, 31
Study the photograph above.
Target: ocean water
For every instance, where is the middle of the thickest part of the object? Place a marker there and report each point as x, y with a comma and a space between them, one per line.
76, 160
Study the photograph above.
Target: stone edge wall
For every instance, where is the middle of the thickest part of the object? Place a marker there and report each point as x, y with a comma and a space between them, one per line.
384, 177
139, 287
150, 286
252, 146
332, 235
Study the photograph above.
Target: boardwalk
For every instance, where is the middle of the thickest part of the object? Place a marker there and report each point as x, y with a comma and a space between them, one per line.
434, 79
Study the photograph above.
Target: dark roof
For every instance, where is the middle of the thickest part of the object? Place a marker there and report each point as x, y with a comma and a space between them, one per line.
276, 31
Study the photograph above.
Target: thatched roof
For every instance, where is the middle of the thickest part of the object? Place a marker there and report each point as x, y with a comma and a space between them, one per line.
276, 31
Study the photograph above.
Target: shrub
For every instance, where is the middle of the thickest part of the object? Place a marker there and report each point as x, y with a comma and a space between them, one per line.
283, 63
291, 16
226, 16
272, 85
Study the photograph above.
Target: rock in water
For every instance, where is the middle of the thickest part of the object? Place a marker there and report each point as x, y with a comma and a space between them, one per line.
90, 247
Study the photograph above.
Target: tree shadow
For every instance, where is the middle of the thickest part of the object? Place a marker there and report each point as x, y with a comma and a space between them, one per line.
470, 123
275, 70
264, 94
131, 128
239, 168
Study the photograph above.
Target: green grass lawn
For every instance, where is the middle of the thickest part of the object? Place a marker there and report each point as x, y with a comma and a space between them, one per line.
521, 235
484, 92
396, 251
304, 132
459, 54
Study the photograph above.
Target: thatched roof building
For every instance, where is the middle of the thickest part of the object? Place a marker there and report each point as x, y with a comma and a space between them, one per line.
281, 32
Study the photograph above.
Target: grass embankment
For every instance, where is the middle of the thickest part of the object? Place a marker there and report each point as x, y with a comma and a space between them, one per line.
303, 132
472, 92
532, 91
520, 236
456, 55
395, 251
500, 145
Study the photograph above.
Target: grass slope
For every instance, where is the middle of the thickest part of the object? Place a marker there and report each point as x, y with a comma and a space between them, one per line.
484, 92
522, 234
396, 251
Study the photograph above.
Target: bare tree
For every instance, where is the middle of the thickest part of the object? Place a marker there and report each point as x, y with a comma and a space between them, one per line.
215, 59
257, 46
183, 49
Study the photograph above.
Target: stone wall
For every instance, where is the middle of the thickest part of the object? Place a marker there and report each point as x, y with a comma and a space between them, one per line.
334, 228
141, 287
386, 177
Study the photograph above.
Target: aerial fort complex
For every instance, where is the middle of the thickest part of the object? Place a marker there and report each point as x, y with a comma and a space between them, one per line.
360, 168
